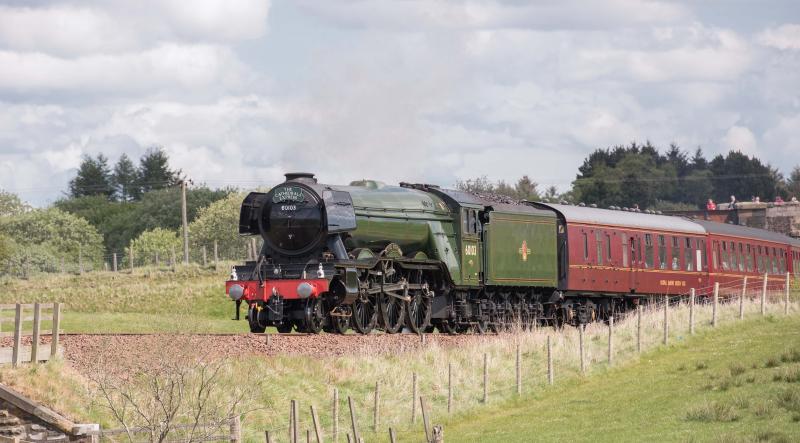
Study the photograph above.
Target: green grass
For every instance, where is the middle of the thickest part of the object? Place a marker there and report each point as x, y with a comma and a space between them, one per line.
150, 300
739, 383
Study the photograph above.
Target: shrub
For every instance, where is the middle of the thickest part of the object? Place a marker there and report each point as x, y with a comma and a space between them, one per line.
772, 362
700, 365
157, 241
737, 369
712, 411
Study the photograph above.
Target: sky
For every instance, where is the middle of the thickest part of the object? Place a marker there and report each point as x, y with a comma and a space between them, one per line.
238, 92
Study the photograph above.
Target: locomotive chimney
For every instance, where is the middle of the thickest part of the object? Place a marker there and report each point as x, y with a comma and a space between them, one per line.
303, 177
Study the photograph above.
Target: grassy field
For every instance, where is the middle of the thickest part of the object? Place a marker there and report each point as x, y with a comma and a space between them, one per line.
682, 392
149, 300
739, 383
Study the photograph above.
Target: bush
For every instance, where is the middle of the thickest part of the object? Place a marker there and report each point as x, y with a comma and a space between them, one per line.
52, 234
156, 242
713, 411
219, 221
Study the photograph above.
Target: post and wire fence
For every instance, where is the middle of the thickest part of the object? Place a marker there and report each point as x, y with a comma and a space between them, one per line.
520, 362
210, 254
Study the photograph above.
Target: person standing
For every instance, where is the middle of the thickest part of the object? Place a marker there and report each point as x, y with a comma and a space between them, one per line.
710, 205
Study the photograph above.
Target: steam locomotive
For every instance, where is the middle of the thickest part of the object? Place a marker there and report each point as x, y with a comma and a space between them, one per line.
372, 256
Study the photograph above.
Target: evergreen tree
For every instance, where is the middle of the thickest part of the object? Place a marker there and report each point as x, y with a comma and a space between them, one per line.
154, 172
793, 183
126, 180
525, 189
93, 178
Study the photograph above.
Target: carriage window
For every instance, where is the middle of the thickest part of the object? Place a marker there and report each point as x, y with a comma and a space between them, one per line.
732, 256
585, 246
648, 251
625, 251
608, 247
782, 262
741, 258
688, 251
703, 257
639, 250
724, 257
715, 255
598, 238
662, 252
760, 263
676, 254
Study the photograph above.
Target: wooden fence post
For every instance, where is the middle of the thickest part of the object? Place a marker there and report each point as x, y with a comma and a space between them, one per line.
549, 361
449, 387
519, 373
158, 261
715, 306
692, 294
317, 427
131, 257
392, 436
485, 377
267, 437
335, 418
376, 408
353, 421
80, 258
581, 329
172, 258
666, 319
17, 350
37, 324
55, 330
414, 397
741, 298
786, 298
236, 429
425, 421
639, 329
610, 340
114, 262
205, 260
293, 422
764, 294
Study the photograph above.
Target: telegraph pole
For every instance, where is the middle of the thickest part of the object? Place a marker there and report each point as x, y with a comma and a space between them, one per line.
185, 222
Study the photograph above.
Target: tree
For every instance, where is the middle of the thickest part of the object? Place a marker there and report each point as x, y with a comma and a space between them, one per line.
115, 220
93, 178
219, 222
126, 179
743, 176
52, 233
154, 171
479, 185
525, 189
793, 183
10, 204
156, 243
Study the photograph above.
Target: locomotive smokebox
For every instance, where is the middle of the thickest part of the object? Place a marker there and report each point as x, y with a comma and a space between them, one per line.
303, 177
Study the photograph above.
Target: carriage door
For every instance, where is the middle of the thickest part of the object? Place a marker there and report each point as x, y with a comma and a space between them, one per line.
632, 248
470, 246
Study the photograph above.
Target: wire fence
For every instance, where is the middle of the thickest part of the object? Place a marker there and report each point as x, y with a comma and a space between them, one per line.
515, 364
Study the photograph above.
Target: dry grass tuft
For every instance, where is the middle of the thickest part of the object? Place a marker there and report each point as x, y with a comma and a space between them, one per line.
712, 412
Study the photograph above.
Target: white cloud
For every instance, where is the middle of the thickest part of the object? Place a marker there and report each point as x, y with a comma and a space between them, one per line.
150, 71
454, 14
740, 138
109, 26
782, 37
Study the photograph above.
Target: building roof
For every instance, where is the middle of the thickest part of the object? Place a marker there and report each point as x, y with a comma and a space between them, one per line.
745, 231
639, 220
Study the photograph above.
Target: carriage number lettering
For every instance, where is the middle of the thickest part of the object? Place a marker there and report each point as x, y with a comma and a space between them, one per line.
288, 207
471, 250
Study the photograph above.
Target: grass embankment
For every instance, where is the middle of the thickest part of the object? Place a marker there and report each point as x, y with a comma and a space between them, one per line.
663, 395
739, 383
149, 300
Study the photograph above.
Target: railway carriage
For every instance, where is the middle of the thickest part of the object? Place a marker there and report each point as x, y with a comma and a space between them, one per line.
615, 257
370, 256
738, 251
